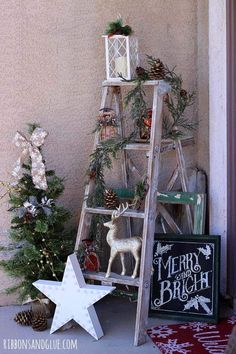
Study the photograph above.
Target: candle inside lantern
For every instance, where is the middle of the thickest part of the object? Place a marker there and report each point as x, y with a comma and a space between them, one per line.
121, 66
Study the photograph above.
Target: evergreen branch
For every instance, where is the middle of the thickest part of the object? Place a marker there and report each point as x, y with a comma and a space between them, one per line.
100, 160
138, 107
177, 103
140, 192
116, 27
32, 127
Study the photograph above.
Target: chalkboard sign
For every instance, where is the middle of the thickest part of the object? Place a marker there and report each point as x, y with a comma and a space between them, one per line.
185, 277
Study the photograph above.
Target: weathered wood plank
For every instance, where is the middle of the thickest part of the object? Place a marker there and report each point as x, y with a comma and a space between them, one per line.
168, 218
184, 181
173, 179
197, 200
200, 215
177, 197
163, 225
137, 147
113, 279
124, 193
122, 133
169, 197
130, 213
149, 220
125, 83
166, 145
132, 167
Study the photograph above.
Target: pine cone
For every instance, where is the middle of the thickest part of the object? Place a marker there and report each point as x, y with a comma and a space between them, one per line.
39, 322
141, 73
28, 218
183, 93
92, 174
166, 98
157, 70
111, 200
24, 318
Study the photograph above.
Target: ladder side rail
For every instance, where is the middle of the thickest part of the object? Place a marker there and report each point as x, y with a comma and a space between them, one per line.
149, 220
124, 162
184, 181
85, 218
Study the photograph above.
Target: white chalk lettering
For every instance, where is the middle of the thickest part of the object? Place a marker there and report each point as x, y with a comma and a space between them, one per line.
174, 265
181, 289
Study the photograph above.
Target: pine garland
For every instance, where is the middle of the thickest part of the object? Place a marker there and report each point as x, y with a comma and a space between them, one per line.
136, 100
140, 192
100, 160
177, 103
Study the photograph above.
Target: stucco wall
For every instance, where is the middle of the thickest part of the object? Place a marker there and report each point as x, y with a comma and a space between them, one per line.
202, 86
52, 65
218, 129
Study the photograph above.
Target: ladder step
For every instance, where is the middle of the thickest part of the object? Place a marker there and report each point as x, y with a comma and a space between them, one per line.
166, 144
114, 278
169, 144
131, 83
130, 213
137, 146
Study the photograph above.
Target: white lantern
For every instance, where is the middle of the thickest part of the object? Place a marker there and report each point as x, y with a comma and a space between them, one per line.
121, 57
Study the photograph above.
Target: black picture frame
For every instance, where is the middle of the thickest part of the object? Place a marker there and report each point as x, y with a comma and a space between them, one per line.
185, 277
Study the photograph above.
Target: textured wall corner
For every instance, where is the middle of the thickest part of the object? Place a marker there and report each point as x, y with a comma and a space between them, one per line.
53, 63
218, 128
202, 86
6, 281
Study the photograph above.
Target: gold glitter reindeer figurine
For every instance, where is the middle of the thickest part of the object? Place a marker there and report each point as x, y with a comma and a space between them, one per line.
121, 245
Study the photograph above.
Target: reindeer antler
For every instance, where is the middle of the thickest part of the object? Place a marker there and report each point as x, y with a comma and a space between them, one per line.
120, 210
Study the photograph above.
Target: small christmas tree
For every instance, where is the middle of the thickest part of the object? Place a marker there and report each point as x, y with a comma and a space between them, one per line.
38, 226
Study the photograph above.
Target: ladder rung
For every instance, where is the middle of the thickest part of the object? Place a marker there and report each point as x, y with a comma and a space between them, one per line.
138, 146
128, 213
166, 144
135, 146
114, 278
132, 83
169, 144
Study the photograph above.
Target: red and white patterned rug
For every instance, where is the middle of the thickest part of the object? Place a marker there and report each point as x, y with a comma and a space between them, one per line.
193, 337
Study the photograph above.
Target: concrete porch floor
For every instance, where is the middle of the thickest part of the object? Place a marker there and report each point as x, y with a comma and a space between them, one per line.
116, 315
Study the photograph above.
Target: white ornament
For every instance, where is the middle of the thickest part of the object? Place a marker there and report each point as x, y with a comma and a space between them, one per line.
74, 298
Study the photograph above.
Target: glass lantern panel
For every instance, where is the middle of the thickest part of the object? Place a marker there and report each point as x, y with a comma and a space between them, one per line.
116, 49
134, 58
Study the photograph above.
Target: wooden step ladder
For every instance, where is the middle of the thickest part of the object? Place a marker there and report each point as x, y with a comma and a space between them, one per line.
112, 92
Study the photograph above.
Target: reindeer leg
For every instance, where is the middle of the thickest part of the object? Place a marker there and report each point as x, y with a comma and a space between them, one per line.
122, 259
111, 259
137, 261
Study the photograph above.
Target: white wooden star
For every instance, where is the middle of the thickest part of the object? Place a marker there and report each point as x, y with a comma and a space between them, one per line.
74, 298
